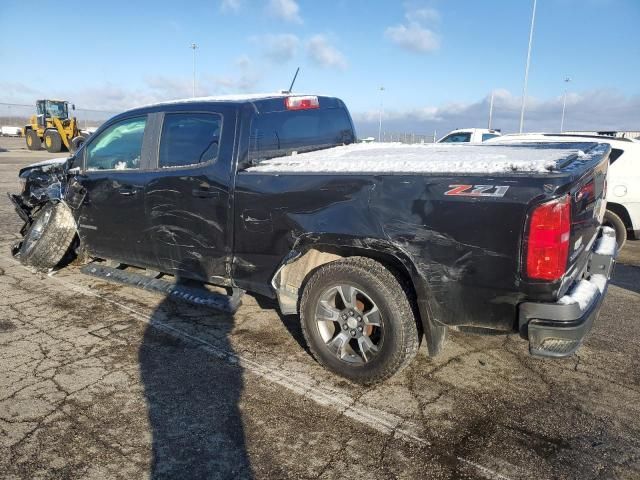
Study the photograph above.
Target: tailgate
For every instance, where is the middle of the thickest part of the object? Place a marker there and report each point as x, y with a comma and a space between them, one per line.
588, 205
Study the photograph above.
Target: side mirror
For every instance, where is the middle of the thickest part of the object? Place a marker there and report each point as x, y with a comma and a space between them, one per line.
73, 106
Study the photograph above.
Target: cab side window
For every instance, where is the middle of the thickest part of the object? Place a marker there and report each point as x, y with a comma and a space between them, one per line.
118, 147
487, 136
189, 139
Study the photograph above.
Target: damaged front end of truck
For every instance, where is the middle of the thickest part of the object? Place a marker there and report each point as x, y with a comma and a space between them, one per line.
48, 196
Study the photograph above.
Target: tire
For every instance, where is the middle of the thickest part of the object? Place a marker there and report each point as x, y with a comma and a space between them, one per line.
76, 143
33, 141
49, 237
614, 221
52, 141
336, 344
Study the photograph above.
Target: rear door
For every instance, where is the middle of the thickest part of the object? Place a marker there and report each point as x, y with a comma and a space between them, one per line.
111, 217
187, 202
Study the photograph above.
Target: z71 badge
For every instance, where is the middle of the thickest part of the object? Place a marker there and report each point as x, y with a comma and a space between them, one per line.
477, 190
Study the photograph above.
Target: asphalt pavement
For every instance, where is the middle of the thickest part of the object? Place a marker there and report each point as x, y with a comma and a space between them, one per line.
99, 380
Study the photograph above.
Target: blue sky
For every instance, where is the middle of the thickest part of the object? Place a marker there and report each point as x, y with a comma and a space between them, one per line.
438, 60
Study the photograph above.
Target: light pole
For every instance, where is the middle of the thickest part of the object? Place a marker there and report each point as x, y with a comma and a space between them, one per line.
564, 102
526, 70
490, 110
194, 47
380, 117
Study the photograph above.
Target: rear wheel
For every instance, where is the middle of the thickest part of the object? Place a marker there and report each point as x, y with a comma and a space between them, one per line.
358, 321
49, 237
33, 141
52, 141
614, 221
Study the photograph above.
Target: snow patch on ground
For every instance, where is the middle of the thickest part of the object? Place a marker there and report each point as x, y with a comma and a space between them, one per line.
397, 157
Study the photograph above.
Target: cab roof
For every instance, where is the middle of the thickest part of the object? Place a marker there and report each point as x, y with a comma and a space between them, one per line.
262, 102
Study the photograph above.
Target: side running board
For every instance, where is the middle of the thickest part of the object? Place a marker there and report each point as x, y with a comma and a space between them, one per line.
190, 294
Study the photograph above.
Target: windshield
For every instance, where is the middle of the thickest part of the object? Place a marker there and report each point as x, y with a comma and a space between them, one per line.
57, 109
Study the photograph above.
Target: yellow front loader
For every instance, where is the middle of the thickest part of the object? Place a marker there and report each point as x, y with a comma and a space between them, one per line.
52, 127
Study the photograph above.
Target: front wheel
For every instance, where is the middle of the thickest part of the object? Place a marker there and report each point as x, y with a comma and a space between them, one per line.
358, 321
49, 237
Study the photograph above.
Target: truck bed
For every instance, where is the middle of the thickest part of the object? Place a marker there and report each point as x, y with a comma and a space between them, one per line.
468, 159
456, 216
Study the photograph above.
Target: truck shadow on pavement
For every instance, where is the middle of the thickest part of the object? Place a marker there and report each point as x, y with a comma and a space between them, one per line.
627, 277
192, 397
290, 322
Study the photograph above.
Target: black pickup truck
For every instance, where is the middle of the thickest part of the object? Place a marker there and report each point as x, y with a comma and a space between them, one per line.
374, 246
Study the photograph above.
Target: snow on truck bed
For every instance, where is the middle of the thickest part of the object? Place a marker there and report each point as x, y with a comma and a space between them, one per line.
399, 158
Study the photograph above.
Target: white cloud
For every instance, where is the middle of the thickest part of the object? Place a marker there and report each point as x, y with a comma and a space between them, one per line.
287, 10
230, 5
324, 54
423, 15
112, 98
413, 35
243, 62
593, 110
15, 91
278, 47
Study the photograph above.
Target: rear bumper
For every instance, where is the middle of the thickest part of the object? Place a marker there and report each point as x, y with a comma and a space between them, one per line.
558, 329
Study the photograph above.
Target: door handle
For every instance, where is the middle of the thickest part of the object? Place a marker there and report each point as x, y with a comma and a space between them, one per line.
205, 193
127, 191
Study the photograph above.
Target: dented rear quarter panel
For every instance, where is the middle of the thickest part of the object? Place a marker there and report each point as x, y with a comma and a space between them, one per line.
463, 253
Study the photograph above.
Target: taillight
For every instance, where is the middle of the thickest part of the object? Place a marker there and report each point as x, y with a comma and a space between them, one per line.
548, 240
302, 103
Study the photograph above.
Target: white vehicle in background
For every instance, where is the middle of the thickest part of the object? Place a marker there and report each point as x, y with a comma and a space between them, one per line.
7, 131
623, 179
470, 135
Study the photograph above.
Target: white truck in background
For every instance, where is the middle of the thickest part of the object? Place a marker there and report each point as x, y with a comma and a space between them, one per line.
623, 178
7, 131
469, 135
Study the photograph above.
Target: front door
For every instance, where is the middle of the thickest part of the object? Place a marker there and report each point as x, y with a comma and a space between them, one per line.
187, 200
111, 218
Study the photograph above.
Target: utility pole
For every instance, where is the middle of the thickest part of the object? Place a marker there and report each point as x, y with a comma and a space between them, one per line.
526, 71
564, 102
490, 110
194, 47
380, 117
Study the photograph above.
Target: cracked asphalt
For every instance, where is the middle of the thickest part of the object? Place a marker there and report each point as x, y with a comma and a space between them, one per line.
99, 380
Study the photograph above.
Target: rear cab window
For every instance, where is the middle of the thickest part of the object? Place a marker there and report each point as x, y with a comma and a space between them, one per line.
281, 133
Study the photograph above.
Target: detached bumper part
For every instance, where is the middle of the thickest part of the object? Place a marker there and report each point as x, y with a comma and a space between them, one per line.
558, 329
